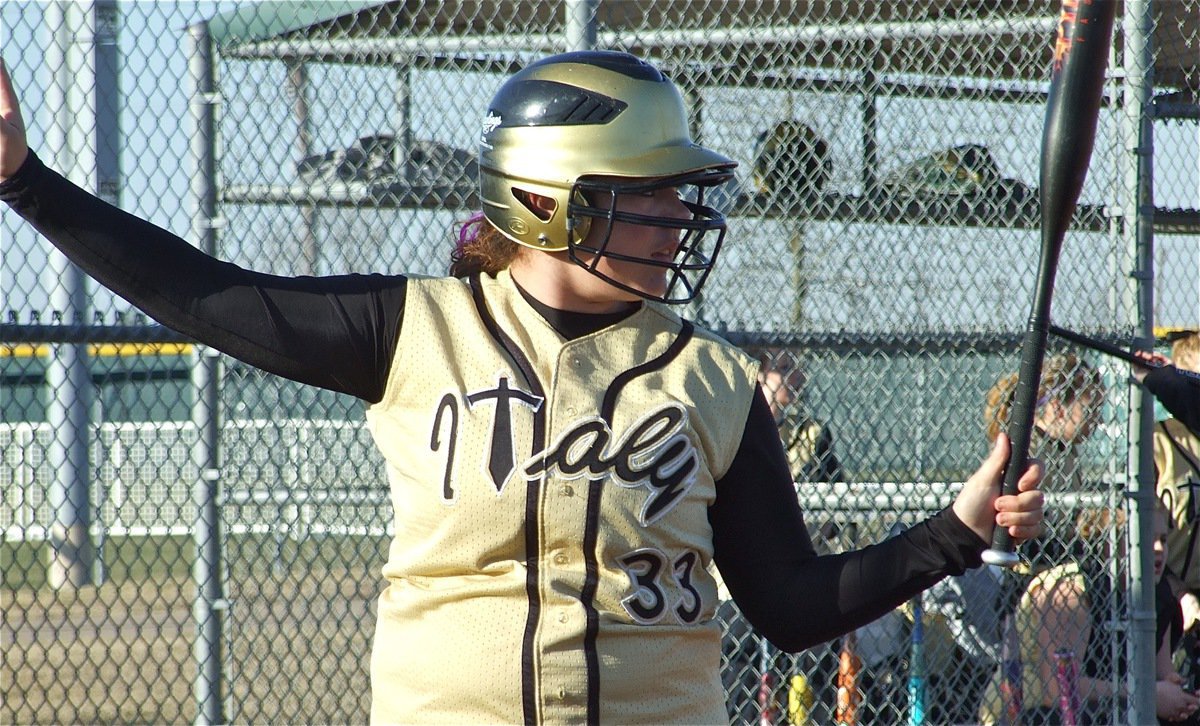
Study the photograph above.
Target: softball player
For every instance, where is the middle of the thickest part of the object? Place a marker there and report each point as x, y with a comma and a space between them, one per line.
566, 454
1177, 463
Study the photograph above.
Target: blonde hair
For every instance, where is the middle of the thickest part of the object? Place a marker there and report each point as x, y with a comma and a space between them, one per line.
1064, 378
1185, 352
481, 248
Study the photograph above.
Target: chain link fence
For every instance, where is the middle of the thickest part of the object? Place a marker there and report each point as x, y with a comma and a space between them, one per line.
186, 539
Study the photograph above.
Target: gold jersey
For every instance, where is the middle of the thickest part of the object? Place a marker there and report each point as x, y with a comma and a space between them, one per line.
551, 553
1177, 461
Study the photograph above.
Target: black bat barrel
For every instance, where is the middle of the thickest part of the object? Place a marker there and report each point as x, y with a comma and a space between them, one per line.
1068, 134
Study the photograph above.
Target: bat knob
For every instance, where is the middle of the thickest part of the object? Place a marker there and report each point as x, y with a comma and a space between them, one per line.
1002, 558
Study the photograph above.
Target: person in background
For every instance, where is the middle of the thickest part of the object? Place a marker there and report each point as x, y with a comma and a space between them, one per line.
1177, 466
1172, 699
1069, 605
807, 441
1069, 399
567, 456
1066, 606
964, 614
963, 621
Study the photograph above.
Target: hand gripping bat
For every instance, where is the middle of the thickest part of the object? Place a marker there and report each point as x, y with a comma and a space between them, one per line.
1068, 133
1113, 350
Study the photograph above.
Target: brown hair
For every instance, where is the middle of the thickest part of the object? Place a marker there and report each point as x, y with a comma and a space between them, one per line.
1094, 522
481, 248
1064, 377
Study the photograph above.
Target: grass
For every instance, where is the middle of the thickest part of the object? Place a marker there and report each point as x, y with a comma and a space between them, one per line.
298, 635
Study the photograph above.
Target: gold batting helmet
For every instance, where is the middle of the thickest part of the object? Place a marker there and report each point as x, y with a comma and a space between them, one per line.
582, 128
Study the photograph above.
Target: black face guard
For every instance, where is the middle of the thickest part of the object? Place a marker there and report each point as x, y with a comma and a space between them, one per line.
692, 264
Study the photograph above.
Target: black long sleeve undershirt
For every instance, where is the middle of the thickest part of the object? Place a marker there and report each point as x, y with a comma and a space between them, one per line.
792, 596
340, 333
333, 332
1179, 394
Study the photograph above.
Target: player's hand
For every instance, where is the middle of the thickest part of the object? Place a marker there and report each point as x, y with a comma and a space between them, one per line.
13, 145
1171, 702
1153, 360
981, 507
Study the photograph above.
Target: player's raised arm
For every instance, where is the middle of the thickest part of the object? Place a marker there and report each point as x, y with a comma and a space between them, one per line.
13, 145
333, 332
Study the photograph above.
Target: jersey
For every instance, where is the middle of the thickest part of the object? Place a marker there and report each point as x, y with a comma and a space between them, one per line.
551, 503
1177, 461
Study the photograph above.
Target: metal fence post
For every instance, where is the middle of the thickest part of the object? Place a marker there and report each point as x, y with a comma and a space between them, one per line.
79, 126
210, 607
298, 88
1138, 129
581, 24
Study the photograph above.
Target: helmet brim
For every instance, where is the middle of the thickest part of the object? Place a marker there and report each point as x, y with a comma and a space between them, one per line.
670, 162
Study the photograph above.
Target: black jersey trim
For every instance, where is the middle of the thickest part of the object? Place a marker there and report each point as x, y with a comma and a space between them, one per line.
533, 493
1195, 466
591, 529
671, 353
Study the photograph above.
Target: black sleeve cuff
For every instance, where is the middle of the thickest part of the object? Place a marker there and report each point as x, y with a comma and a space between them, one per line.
958, 543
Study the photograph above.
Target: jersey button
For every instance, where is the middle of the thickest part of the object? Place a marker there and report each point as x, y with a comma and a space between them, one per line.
562, 693
567, 491
564, 616
570, 410
561, 559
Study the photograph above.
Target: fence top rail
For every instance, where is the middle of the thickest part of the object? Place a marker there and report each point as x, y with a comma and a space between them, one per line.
916, 497
235, 424
823, 496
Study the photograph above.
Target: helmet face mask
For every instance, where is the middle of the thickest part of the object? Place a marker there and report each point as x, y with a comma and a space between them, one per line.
699, 243
582, 130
